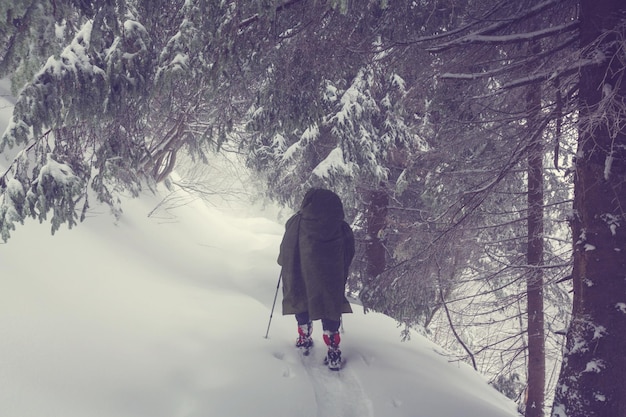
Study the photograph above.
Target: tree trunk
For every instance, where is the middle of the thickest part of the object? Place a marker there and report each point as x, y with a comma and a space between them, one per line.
534, 256
376, 218
592, 382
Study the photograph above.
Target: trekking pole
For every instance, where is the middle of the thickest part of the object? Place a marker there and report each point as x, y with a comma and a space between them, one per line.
273, 304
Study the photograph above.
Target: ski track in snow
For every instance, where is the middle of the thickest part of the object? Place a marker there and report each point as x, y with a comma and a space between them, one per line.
337, 393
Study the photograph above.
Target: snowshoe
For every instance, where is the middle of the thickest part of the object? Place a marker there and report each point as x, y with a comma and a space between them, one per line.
333, 359
305, 345
304, 341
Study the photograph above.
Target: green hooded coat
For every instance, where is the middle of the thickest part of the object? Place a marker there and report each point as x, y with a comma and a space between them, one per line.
315, 255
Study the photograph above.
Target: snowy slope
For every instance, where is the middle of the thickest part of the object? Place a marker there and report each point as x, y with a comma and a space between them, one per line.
165, 316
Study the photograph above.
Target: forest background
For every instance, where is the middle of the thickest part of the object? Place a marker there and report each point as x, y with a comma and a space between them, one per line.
478, 146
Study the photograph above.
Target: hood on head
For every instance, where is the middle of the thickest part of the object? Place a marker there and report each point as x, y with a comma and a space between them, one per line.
322, 204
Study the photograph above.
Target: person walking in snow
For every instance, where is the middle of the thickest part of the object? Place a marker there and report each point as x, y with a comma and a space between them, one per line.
315, 255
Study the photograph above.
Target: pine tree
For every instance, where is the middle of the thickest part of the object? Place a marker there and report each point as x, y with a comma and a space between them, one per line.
591, 382
509, 46
108, 112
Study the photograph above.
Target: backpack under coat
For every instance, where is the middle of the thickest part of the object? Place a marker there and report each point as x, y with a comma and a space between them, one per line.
315, 255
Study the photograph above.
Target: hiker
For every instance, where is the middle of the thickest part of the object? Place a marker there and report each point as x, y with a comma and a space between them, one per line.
315, 255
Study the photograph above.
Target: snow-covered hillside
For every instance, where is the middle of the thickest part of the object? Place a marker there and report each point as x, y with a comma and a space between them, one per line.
165, 316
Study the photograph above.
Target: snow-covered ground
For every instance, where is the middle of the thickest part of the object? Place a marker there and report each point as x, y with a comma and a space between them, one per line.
165, 316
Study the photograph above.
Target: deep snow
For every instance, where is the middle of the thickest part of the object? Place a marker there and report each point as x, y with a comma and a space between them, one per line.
165, 316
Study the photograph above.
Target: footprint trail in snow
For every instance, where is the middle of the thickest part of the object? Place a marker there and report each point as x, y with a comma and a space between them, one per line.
337, 393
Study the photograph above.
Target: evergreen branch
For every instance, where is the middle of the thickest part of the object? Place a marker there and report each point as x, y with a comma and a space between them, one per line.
494, 28
507, 39
519, 64
255, 17
27, 149
453, 32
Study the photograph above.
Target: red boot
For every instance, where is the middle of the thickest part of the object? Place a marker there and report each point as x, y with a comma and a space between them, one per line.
333, 357
304, 341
